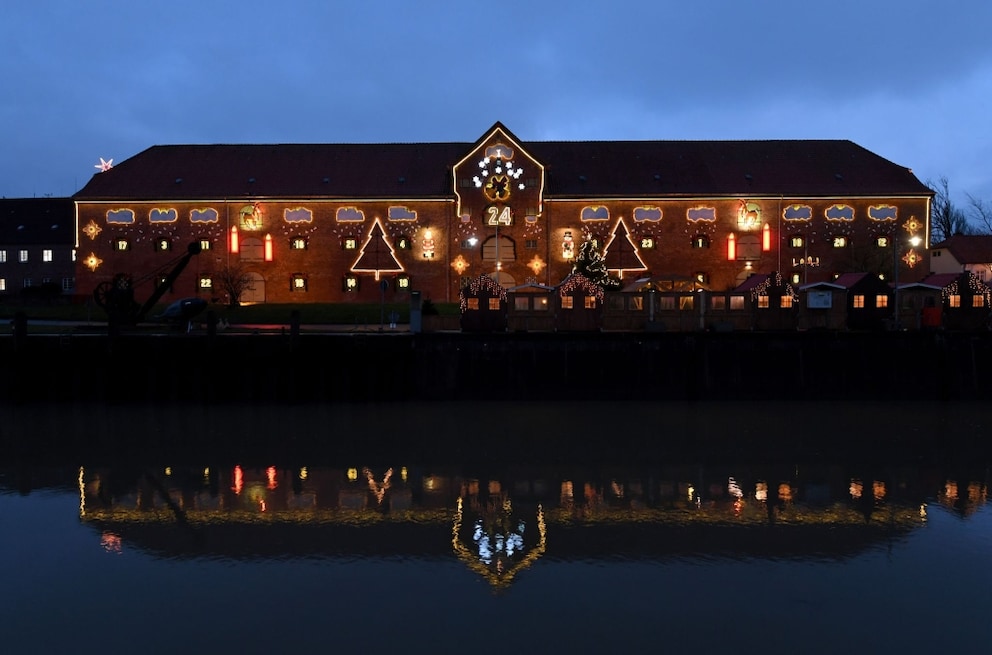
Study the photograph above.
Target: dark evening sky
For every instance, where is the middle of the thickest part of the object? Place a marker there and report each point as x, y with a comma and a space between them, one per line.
908, 79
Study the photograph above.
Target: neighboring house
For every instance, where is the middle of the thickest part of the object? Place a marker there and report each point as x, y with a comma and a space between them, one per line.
963, 252
318, 223
36, 247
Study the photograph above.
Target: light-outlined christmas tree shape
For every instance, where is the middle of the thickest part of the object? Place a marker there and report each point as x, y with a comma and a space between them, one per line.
621, 254
590, 264
377, 255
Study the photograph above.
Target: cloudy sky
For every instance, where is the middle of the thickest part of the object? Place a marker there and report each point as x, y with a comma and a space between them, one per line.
83, 80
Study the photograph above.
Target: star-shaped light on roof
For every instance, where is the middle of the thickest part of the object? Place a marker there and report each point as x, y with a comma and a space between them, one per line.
105, 166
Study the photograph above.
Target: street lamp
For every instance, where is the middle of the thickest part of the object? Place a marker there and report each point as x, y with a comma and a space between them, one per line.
913, 241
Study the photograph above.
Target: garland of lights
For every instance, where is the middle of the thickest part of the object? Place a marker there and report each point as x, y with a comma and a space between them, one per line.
579, 282
761, 289
975, 286
482, 285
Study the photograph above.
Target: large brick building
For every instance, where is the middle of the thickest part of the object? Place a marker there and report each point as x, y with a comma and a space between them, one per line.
341, 222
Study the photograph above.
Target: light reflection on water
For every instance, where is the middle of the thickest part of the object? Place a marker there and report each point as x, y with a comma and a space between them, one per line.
389, 544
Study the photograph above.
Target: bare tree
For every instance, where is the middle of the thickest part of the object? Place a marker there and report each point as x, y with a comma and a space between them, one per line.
234, 280
981, 213
946, 220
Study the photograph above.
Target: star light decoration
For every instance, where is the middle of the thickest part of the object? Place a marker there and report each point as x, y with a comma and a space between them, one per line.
92, 262
105, 165
91, 230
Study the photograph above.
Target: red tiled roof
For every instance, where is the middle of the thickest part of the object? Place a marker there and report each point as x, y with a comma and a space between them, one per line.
793, 168
968, 248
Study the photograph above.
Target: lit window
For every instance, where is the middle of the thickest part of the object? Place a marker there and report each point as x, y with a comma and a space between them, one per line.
3, 256
700, 241
882, 242
737, 302
858, 302
954, 300
541, 304
566, 302
702, 277
403, 243
350, 243
3, 284
637, 303
472, 303
718, 302
647, 242
298, 243
786, 301
666, 303
403, 282
46, 255
299, 283
796, 242
350, 283
121, 245
494, 304
840, 242
796, 278
163, 245
978, 301
881, 300
763, 302
22, 256
206, 283
686, 303
204, 244
590, 302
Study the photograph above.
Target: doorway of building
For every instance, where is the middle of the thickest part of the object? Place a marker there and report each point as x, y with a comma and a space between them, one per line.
255, 292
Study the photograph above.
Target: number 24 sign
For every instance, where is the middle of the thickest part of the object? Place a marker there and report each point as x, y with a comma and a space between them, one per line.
496, 215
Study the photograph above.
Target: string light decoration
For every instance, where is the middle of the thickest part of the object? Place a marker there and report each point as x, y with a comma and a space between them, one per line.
579, 282
774, 281
974, 286
484, 285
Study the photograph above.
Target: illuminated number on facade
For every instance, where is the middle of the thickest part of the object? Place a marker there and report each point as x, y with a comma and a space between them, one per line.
498, 216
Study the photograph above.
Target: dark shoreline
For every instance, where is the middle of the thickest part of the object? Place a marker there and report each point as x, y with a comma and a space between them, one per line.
397, 367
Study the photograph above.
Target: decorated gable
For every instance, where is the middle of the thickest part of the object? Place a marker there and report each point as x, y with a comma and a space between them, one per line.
498, 182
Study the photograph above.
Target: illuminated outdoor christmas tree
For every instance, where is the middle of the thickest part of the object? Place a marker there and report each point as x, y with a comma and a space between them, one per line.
591, 264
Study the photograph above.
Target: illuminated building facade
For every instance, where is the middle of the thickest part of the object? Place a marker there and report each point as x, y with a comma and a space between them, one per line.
351, 222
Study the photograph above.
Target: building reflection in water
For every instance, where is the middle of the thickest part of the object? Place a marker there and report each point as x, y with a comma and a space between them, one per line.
499, 525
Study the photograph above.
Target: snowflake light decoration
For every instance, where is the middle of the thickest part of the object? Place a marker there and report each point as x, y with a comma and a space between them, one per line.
500, 167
